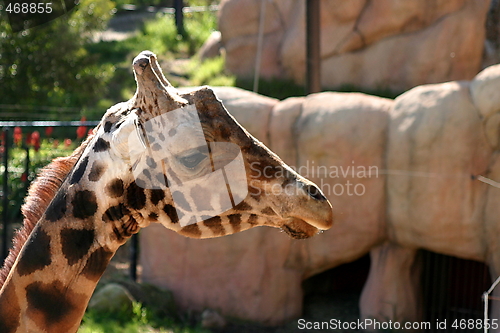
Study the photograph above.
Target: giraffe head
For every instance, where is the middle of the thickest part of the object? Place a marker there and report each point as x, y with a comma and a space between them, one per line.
184, 161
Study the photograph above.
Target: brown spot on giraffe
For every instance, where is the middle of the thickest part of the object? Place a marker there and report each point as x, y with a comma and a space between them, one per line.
191, 230
52, 305
107, 126
235, 221
84, 204
101, 145
115, 213
76, 243
253, 219
156, 195
171, 213
243, 206
215, 224
96, 171
268, 211
115, 188
97, 263
136, 198
80, 170
57, 208
38, 251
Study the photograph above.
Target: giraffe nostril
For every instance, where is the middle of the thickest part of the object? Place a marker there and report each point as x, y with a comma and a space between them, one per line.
314, 192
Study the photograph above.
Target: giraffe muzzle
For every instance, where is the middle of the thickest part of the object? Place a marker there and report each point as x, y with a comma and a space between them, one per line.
307, 210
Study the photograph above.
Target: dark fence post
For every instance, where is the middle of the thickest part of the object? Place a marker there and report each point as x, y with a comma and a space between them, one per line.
7, 125
5, 194
179, 17
134, 244
27, 163
313, 46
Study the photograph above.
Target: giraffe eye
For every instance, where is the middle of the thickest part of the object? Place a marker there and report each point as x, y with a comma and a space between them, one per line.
192, 161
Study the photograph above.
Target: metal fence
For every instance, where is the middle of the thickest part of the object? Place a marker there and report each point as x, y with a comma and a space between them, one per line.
7, 224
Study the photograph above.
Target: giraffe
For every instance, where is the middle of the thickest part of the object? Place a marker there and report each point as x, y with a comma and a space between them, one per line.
82, 208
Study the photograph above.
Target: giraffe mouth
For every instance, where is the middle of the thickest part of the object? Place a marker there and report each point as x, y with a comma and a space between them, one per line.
298, 228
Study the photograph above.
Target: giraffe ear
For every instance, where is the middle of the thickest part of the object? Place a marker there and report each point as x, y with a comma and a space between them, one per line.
128, 139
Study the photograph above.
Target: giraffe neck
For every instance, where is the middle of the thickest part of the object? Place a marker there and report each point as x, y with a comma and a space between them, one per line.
58, 267
51, 282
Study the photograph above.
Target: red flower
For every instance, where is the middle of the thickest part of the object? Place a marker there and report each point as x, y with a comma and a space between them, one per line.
48, 131
24, 177
67, 143
18, 135
55, 144
81, 130
35, 140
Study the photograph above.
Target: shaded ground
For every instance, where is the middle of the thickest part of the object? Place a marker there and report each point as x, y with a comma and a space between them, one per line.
124, 25
333, 294
317, 308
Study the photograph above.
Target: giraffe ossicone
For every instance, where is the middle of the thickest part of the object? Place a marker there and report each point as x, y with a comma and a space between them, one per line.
162, 157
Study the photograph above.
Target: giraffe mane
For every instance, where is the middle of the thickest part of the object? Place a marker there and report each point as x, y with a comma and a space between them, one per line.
40, 194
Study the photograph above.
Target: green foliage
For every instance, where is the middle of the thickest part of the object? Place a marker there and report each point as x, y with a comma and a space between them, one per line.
143, 319
199, 26
154, 311
276, 88
209, 72
97, 321
284, 88
380, 92
17, 166
160, 35
49, 65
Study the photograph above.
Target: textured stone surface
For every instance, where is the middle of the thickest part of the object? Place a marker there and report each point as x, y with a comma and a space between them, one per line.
211, 47
239, 36
484, 91
393, 285
112, 298
436, 143
341, 139
371, 44
283, 129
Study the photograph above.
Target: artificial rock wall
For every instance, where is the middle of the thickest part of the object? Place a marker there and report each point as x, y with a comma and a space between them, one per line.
379, 44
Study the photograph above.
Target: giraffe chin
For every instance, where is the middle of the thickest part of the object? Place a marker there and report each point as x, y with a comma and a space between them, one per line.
298, 228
